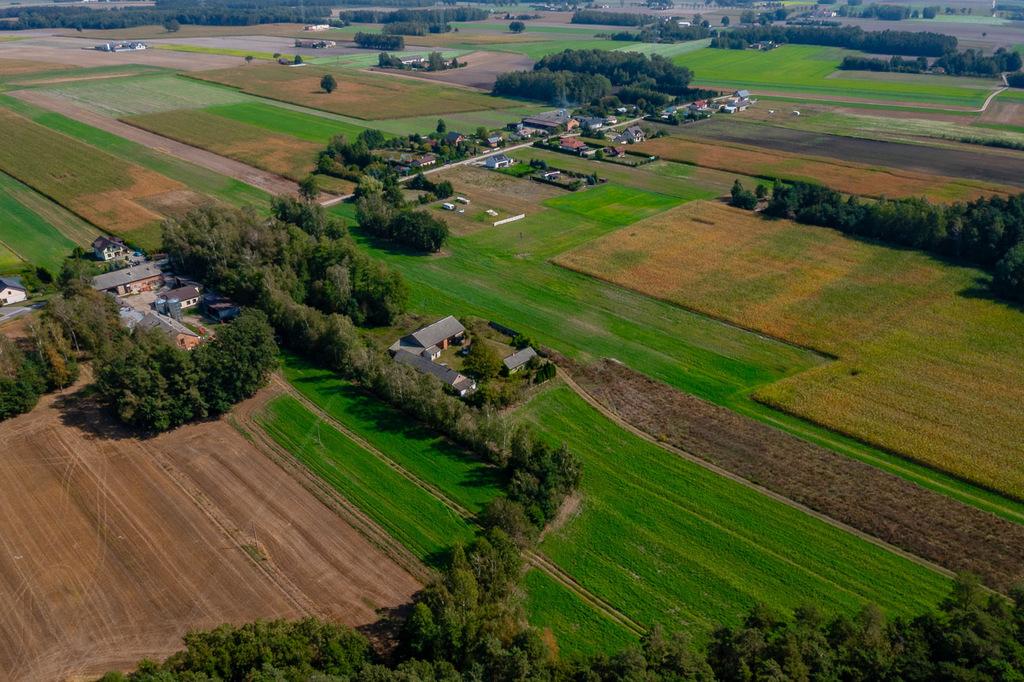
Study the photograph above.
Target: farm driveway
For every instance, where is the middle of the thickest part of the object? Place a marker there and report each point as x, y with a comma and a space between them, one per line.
268, 182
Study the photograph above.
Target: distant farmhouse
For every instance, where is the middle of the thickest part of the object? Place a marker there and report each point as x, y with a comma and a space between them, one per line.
419, 350
631, 135
574, 145
314, 44
12, 290
133, 280
316, 27
519, 359
550, 121
125, 46
498, 161
110, 248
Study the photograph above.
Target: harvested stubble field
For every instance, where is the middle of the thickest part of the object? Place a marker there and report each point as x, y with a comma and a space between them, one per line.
925, 368
666, 541
361, 95
112, 194
21, 67
284, 155
496, 191
846, 177
114, 547
917, 520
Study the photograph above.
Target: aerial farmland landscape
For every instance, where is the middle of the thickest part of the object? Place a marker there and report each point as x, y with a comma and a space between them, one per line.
369, 340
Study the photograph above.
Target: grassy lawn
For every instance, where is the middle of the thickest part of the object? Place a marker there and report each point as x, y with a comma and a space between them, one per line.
429, 457
612, 204
29, 225
537, 51
407, 512
145, 94
669, 542
944, 399
9, 261
309, 127
230, 52
812, 69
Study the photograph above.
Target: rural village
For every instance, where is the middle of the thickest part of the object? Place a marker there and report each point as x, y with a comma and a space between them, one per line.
472, 342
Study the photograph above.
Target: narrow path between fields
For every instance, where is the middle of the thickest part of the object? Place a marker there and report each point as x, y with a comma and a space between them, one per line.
534, 558
690, 457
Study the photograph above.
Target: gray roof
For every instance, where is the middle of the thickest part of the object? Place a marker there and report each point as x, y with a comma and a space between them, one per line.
520, 358
12, 283
118, 278
448, 375
433, 334
498, 158
103, 241
130, 317
165, 324
181, 293
549, 118
743, 93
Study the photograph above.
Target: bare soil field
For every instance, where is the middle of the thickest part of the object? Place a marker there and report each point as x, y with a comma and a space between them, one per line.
62, 51
843, 176
927, 367
1011, 113
882, 505
113, 546
986, 165
268, 182
481, 70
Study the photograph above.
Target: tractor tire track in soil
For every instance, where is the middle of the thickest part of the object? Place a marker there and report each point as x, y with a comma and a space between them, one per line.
889, 511
534, 558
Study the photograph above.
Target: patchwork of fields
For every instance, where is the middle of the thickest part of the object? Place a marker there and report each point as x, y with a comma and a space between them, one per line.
923, 369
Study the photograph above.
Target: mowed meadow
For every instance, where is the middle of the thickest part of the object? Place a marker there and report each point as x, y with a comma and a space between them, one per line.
926, 367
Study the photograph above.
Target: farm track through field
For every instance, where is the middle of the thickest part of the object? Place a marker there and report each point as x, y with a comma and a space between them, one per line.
268, 182
690, 457
534, 558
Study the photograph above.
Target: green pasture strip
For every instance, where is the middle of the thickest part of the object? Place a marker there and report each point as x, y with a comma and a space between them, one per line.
667, 541
419, 450
309, 127
197, 178
145, 95
9, 261
467, 121
537, 51
806, 69
227, 51
503, 274
407, 512
613, 204
531, 28
579, 629
28, 233
667, 50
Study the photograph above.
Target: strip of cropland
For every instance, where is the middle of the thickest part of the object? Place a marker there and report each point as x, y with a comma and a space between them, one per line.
812, 70
358, 94
503, 273
40, 231
843, 176
940, 387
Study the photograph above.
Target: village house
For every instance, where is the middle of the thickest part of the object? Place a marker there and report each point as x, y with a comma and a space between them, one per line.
12, 291
454, 138
592, 123
432, 339
574, 145
519, 359
413, 60
316, 27
173, 302
182, 336
423, 161
460, 383
631, 135
614, 152
109, 248
550, 121
133, 280
498, 161
494, 141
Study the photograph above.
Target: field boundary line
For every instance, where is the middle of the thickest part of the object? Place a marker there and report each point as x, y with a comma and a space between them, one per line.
690, 457
533, 557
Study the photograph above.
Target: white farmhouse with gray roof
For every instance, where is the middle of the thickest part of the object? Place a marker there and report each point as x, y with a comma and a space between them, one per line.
429, 341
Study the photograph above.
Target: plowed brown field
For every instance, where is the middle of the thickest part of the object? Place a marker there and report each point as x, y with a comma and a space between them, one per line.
112, 547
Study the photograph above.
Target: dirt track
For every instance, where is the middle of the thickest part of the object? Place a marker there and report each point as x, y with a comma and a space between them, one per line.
268, 182
112, 547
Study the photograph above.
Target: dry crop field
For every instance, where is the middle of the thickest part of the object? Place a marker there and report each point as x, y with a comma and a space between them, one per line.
112, 194
284, 155
361, 95
923, 370
114, 547
21, 67
485, 189
849, 178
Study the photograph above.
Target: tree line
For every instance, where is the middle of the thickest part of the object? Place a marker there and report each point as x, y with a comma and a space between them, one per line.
634, 69
970, 62
554, 87
468, 625
379, 41
216, 13
591, 16
415, 16
913, 43
988, 232
664, 32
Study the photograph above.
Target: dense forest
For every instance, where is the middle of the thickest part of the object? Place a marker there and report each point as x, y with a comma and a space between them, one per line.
634, 69
988, 232
214, 13
913, 43
967, 63
561, 88
469, 625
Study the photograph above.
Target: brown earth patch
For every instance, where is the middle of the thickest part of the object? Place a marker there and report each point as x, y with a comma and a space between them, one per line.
917, 520
177, 203
849, 178
17, 67
481, 70
485, 189
113, 546
1011, 113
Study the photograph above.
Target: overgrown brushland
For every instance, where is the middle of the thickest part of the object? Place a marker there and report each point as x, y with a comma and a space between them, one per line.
923, 370
361, 95
284, 155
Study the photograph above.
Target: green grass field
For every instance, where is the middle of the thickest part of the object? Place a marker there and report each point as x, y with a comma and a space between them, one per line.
28, 225
669, 542
612, 204
303, 126
119, 97
407, 512
538, 50
809, 69
9, 261
227, 51
429, 457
